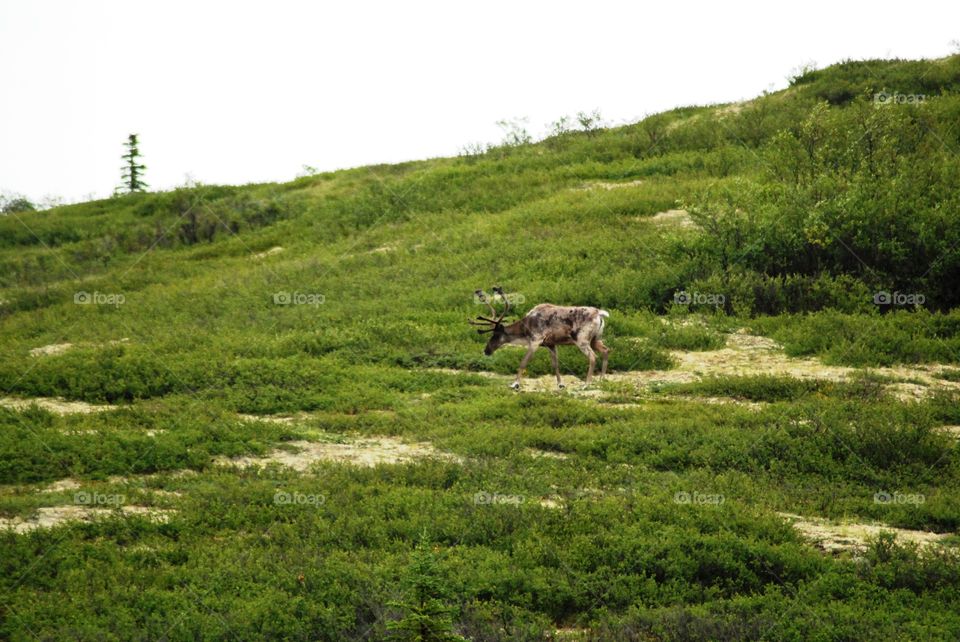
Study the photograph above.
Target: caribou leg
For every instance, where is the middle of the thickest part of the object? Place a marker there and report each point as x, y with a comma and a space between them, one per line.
556, 364
523, 365
588, 353
604, 352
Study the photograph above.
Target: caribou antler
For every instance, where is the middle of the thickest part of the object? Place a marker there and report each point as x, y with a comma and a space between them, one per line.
490, 323
506, 302
482, 296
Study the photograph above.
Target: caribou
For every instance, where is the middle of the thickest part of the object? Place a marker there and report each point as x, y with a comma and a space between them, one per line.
548, 326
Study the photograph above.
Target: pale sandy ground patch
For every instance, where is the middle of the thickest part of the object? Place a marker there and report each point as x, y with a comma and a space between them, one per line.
137, 479
953, 431
53, 404
731, 109
52, 349
273, 250
59, 348
945, 372
674, 125
165, 493
833, 537
53, 516
546, 454
607, 185
479, 373
61, 485
364, 451
71, 484
751, 355
78, 431
720, 401
675, 218
274, 419
303, 417
150, 432
368, 451
744, 354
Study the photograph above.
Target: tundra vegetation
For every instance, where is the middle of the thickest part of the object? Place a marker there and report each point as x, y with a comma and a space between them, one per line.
259, 412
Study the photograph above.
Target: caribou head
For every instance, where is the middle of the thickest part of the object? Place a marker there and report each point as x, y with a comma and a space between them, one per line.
493, 324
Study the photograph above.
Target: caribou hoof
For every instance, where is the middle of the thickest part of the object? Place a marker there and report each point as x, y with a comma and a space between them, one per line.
515, 385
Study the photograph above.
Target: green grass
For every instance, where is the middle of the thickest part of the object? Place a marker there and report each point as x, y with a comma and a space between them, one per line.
778, 189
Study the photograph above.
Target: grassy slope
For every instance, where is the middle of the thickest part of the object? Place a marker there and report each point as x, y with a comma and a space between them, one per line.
396, 252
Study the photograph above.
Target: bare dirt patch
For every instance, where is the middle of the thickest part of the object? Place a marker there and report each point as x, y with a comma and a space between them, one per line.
276, 249
953, 431
274, 419
608, 185
569, 634
720, 401
165, 493
304, 417
365, 451
757, 355
481, 373
674, 125
369, 452
945, 372
675, 218
834, 537
546, 454
54, 349
905, 391
53, 516
69, 484
61, 485
730, 110
53, 404
136, 479
744, 354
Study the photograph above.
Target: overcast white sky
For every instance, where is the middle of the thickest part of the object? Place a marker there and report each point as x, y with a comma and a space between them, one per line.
237, 92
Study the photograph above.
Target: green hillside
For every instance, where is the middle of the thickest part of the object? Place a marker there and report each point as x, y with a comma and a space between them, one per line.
785, 331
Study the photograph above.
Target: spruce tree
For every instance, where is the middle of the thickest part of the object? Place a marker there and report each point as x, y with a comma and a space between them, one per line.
427, 616
132, 170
